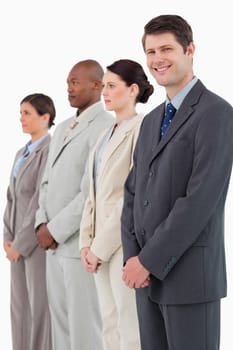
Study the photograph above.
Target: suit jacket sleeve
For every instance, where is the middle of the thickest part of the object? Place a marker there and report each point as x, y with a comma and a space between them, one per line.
67, 221
86, 225
105, 244
206, 188
25, 241
7, 233
128, 237
62, 228
41, 216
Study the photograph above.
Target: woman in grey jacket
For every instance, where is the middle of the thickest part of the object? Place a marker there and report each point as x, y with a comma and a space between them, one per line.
29, 307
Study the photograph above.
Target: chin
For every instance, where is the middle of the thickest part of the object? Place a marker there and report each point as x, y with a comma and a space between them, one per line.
72, 103
108, 108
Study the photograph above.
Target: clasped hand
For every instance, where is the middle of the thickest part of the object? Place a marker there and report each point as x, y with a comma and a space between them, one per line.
45, 239
11, 253
135, 275
90, 261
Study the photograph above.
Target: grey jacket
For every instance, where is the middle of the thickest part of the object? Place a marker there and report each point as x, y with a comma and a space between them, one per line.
65, 183
22, 200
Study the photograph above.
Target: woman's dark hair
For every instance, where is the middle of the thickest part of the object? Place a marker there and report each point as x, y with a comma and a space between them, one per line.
42, 104
131, 72
170, 24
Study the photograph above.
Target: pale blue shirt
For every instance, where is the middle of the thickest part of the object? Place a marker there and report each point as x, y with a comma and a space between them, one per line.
99, 152
29, 147
179, 98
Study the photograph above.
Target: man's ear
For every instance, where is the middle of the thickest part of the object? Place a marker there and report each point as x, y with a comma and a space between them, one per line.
98, 84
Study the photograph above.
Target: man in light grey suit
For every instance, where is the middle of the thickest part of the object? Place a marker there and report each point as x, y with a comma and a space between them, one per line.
76, 323
173, 214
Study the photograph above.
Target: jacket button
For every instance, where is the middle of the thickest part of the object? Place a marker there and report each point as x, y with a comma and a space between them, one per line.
146, 203
143, 232
151, 173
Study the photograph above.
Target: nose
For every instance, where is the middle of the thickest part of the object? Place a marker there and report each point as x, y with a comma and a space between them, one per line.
69, 88
104, 91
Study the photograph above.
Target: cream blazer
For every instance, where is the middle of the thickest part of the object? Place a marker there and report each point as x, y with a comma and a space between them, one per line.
100, 226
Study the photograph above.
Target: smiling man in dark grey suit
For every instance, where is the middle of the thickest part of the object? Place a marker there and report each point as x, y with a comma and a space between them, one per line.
173, 214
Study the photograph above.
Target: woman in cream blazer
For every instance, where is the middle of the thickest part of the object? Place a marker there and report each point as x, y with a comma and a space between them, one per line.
30, 318
125, 84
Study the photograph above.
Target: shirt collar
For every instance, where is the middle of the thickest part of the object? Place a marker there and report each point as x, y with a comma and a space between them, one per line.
33, 145
80, 116
179, 98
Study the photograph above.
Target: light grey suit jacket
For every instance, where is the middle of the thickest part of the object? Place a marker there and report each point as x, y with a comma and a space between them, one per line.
65, 182
173, 215
22, 200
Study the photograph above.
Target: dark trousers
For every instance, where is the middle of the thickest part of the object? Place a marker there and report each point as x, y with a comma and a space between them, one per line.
178, 327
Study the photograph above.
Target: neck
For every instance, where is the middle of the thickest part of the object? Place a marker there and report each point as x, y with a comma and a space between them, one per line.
87, 105
124, 115
35, 137
172, 90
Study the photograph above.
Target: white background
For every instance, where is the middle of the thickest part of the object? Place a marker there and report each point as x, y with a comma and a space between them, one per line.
42, 40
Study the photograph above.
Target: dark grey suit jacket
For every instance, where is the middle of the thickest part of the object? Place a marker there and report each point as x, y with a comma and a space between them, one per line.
173, 214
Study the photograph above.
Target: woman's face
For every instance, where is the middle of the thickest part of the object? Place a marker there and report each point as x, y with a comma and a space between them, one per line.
32, 122
117, 95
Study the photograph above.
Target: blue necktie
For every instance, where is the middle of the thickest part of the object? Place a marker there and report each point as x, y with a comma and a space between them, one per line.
21, 160
169, 114
26, 151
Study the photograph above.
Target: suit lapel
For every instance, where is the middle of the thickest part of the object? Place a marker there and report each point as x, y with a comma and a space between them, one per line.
87, 117
157, 121
25, 165
112, 145
180, 118
76, 131
182, 115
31, 157
72, 134
116, 140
